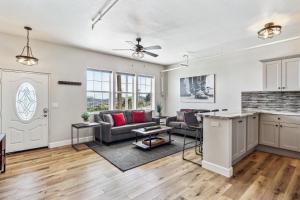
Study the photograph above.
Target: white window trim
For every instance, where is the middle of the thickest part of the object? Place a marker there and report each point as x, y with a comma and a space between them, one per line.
152, 90
133, 89
110, 92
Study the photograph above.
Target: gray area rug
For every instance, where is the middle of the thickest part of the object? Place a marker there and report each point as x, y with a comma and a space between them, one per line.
124, 155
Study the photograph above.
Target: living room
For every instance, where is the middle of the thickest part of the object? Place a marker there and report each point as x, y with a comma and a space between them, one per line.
99, 97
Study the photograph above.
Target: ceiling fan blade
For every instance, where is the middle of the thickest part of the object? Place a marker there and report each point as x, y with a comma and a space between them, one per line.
122, 49
150, 54
152, 47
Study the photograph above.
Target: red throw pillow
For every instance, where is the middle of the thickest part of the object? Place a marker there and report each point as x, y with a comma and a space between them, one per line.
119, 119
138, 116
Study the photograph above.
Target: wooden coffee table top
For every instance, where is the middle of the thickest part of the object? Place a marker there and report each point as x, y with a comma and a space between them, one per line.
155, 131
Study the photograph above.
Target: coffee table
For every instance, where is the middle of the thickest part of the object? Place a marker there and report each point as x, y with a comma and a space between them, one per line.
151, 135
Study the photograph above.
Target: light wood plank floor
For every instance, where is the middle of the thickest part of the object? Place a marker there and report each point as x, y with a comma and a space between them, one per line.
63, 173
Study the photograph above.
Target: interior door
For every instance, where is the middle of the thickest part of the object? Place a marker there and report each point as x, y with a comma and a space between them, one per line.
25, 110
272, 76
291, 74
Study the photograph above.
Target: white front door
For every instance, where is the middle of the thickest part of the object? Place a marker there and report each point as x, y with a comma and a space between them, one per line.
25, 110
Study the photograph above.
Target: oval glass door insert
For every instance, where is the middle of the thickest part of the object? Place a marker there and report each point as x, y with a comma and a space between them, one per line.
26, 101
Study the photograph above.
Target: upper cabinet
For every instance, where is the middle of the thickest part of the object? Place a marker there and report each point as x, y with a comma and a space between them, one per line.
282, 75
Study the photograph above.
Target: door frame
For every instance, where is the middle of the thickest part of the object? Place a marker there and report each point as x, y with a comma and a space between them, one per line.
28, 72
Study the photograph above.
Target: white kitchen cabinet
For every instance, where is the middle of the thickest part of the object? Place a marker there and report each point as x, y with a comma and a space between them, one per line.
290, 78
282, 75
269, 133
239, 137
272, 75
290, 136
252, 131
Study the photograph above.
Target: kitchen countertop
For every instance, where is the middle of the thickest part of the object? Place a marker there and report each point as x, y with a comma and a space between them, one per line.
244, 113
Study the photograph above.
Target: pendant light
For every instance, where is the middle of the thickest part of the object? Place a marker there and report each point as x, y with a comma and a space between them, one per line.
26, 57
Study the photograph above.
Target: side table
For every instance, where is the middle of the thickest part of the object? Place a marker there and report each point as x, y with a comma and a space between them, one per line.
82, 126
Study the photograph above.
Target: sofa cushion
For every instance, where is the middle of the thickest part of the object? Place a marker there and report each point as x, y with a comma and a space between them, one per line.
138, 116
176, 124
129, 127
119, 119
148, 116
109, 119
180, 116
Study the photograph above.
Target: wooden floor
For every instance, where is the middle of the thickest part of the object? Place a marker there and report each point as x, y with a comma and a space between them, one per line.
63, 173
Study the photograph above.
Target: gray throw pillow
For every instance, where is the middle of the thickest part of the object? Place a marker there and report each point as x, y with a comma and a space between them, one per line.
108, 118
180, 116
148, 116
128, 116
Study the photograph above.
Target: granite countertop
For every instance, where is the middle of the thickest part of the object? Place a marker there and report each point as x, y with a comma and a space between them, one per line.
245, 113
227, 114
273, 112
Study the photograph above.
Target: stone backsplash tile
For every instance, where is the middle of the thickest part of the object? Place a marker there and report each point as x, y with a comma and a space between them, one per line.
278, 101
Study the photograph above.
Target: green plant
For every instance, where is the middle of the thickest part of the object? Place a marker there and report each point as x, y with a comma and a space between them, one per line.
159, 109
85, 116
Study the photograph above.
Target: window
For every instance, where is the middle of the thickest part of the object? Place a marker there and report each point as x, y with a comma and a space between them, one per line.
98, 90
124, 92
145, 92
26, 101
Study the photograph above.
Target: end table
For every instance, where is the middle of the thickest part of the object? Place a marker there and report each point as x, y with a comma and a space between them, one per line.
82, 126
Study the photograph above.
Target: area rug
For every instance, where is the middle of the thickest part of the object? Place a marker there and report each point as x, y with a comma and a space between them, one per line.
124, 155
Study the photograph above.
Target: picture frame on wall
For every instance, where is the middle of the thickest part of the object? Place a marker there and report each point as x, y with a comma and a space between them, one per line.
198, 89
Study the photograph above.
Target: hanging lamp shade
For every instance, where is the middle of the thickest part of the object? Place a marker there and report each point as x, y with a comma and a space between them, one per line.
26, 57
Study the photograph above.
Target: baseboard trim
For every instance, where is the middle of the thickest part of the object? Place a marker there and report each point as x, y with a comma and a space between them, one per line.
278, 151
68, 142
228, 172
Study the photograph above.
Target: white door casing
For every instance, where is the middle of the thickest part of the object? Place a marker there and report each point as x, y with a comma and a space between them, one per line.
25, 110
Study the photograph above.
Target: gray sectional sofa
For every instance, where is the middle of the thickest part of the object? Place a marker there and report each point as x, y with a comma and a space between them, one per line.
178, 124
112, 133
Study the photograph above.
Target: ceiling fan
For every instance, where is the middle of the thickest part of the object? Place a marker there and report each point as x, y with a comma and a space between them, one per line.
139, 50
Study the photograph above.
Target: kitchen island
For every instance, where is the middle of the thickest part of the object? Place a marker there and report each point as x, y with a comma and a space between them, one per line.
230, 136
225, 139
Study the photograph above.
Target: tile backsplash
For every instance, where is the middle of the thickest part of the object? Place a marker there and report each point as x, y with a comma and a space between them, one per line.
279, 101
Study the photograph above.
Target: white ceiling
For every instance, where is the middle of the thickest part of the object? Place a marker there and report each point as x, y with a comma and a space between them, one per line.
198, 27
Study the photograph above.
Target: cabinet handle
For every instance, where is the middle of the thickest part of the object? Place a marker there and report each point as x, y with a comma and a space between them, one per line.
279, 87
280, 126
253, 117
240, 121
278, 118
276, 125
283, 88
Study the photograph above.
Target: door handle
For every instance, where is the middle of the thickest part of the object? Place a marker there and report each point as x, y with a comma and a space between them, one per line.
45, 111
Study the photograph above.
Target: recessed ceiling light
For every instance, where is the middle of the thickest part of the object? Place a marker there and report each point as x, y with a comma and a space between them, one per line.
269, 31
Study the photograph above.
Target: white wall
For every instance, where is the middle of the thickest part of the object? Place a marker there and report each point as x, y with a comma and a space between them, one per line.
234, 73
69, 64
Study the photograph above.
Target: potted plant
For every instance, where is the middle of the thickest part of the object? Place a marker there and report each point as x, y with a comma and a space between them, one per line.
85, 116
159, 109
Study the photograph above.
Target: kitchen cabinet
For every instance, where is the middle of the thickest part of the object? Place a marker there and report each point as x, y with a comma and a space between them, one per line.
290, 77
281, 131
289, 136
282, 75
239, 137
272, 76
252, 131
269, 133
